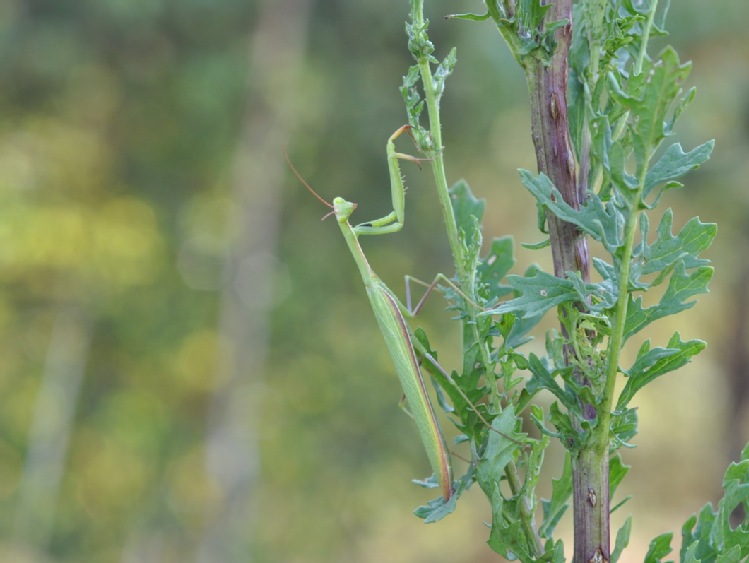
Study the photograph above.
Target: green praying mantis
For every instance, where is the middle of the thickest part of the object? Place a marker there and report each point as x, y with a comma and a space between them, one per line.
389, 312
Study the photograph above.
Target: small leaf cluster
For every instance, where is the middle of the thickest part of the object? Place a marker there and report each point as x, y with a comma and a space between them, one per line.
421, 49
522, 25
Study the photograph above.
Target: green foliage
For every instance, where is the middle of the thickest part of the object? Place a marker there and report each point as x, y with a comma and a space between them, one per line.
709, 537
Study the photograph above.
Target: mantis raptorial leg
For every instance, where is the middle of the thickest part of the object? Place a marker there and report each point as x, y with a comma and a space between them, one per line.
388, 312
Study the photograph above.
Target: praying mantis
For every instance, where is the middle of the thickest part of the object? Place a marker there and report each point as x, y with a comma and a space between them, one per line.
389, 312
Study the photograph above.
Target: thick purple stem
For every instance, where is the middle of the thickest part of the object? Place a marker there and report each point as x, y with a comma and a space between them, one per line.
547, 85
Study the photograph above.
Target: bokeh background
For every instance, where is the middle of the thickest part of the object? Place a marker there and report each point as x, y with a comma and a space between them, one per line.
190, 370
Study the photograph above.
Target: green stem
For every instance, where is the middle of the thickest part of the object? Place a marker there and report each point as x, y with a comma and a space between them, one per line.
438, 163
620, 315
466, 278
636, 69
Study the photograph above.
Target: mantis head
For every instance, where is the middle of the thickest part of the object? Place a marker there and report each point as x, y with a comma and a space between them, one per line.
342, 209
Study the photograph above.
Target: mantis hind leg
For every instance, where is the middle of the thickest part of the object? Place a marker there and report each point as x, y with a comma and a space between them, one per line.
413, 311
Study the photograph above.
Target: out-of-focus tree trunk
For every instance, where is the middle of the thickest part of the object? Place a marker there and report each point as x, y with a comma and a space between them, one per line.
276, 55
64, 367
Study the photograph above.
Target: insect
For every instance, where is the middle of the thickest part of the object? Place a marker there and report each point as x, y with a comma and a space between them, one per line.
389, 311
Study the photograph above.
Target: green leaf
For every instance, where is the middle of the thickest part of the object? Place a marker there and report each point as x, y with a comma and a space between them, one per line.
542, 378
469, 16
622, 540
702, 534
435, 510
649, 96
507, 534
438, 508
500, 450
602, 222
667, 249
536, 245
732, 555
617, 471
495, 266
735, 493
467, 209
414, 105
674, 163
709, 535
443, 70
555, 507
681, 287
623, 428
689, 554
572, 438
651, 364
538, 293
659, 548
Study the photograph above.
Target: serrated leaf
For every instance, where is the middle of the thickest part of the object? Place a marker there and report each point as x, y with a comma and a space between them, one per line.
681, 287
500, 450
507, 536
542, 378
732, 555
713, 538
435, 510
555, 507
602, 223
495, 266
438, 508
651, 364
649, 96
530, 13
572, 436
538, 293
617, 471
674, 163
689, 555
555, 552
693, 238
617, 157
622, 540
467, 209
735, 493
443, 70
659, 548
623, 428
701, 536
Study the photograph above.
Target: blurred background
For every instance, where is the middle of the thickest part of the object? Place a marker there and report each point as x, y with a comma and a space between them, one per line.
190, 370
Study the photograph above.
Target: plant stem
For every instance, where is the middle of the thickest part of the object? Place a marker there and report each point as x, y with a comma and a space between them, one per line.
547, 86
437, 162
617, 336
466, 279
